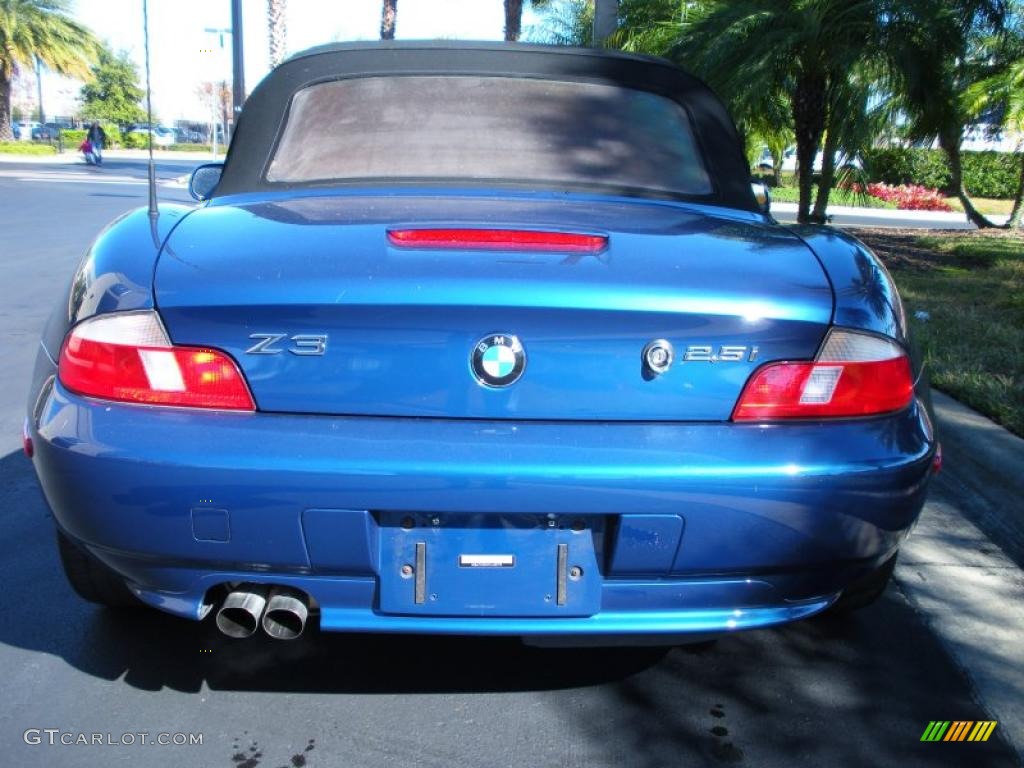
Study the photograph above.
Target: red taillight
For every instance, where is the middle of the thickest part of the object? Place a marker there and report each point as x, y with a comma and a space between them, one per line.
127, 357
497, 240
856, 374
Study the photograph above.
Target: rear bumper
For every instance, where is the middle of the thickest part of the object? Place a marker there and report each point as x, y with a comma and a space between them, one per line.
710, 526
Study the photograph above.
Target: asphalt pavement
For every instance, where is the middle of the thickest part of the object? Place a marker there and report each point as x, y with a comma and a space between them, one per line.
854, 691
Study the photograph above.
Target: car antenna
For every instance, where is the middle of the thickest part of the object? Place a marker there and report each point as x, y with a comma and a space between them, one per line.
153, 211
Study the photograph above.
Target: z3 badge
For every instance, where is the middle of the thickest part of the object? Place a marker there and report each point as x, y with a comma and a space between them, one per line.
303, 344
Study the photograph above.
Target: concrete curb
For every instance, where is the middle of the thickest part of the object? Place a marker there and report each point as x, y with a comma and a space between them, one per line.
41, 159
987, 472
961, 567
68, 157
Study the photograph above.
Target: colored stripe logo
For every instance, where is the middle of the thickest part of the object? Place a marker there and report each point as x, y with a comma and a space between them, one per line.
959, 730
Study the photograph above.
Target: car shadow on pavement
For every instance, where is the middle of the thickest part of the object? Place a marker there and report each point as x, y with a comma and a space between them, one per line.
854, 690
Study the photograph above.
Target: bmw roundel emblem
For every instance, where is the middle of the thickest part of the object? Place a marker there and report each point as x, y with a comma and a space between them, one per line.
498, 360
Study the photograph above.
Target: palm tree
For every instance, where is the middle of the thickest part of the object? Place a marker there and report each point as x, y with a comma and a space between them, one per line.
277, 30
606, 19
568, 23
513, 19
935, 53
1002, 93
514, 16
388, 15
858, 112
768, 126
31, 28
802, 48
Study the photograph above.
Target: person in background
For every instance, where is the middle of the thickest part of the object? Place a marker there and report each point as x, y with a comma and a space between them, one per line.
98, 138
86, 149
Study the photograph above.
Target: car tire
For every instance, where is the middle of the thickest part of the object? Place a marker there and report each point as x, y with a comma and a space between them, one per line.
91, 579
865, 590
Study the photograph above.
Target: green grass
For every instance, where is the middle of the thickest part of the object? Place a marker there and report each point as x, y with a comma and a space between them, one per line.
26, 148
972, 287
193, 148
985, 205
837, 197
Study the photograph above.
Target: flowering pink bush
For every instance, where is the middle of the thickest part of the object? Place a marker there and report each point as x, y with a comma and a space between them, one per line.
910, 197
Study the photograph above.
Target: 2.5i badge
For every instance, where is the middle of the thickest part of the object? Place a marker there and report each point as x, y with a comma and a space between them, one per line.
498, 360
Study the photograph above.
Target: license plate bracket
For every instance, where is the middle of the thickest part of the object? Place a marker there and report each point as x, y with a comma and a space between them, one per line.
494, 565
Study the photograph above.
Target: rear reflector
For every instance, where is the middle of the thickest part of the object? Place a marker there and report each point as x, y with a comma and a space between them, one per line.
856, 374
497, 240
126, 356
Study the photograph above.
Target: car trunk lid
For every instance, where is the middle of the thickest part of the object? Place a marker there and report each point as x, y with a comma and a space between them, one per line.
327, 314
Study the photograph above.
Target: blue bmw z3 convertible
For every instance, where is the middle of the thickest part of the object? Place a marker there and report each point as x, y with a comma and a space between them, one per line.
480, 339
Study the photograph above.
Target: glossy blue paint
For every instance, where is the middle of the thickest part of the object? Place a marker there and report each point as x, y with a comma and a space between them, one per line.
210, 524
646, 545
117, 272
675, 608
385, 451
402, 322
687, 523
678, 607
341, 540
865, 295
773, 514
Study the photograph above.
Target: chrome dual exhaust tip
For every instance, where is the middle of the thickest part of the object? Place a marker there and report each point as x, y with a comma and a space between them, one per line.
281, 611
240, 613
286, 613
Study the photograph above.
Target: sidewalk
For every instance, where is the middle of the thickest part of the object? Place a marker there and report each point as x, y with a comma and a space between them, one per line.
927, 217
957, 568
70, 158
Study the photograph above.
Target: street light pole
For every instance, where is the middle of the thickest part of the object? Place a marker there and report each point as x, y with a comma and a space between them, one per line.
606, 20
237, 62
39, 90
214, 94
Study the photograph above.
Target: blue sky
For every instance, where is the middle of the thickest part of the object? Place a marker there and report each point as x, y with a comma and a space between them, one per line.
183, 55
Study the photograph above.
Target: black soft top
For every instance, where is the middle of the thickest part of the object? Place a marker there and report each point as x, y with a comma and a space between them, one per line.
263, 118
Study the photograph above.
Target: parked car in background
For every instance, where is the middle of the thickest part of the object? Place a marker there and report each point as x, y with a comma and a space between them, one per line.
25, 128
388, 379
162, 135
187, 132
49, 131
16, 131
842, 160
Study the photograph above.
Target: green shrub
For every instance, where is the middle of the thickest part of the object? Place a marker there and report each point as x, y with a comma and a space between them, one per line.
986, 174
837, 196
135, 141
114, 138
992, 174
901, 165
73, 137
26, 148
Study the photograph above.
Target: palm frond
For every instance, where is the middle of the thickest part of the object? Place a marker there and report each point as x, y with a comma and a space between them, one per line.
43, 28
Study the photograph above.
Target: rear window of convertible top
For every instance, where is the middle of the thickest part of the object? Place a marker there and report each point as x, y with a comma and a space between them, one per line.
546, 133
